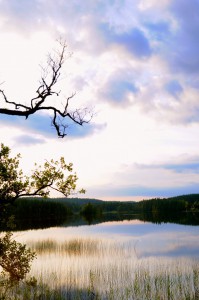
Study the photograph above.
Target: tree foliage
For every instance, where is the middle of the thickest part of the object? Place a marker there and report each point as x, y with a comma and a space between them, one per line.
15, 258
15, 263
47, 88
52, 175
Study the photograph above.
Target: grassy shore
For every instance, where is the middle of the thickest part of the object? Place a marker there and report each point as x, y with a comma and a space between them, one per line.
84, 268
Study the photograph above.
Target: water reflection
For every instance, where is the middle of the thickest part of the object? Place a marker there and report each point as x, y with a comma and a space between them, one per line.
148, 239
115, 251
150, 235
77, 220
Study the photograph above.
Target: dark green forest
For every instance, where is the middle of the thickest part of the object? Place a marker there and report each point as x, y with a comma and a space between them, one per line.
39, 212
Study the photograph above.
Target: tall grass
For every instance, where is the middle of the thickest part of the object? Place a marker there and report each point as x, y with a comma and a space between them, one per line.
69, 247
85, 268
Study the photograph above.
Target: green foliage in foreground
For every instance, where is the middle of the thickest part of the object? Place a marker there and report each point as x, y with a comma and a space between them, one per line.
15, 258
15, 261
56, 175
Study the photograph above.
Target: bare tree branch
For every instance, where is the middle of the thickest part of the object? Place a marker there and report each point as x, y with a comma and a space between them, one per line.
46, 89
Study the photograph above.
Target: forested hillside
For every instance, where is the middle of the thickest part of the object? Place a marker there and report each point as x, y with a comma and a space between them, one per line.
67, 206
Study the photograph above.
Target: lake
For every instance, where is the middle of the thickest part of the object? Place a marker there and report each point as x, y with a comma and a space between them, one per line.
117, 259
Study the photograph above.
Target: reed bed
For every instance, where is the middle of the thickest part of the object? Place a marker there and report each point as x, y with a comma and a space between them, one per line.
83, 268
69, 247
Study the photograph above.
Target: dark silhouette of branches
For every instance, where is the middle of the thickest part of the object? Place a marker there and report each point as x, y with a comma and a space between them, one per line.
49, 78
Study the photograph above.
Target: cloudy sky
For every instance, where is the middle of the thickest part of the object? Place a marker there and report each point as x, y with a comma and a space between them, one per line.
136, 64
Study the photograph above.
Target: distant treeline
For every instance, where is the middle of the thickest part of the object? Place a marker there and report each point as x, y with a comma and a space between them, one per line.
183, 203
60, 208
38, 208
175, 204
57, 210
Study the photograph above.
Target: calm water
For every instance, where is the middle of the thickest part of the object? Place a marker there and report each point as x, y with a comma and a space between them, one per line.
117, 259
146, 238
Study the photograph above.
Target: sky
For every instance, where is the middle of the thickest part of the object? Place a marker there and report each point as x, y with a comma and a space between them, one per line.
135, 63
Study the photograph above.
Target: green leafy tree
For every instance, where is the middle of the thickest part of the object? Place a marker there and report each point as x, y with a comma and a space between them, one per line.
51, 176
90, 211
15, 258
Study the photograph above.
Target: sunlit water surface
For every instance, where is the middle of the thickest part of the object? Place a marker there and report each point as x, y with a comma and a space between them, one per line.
114, 257
147, 239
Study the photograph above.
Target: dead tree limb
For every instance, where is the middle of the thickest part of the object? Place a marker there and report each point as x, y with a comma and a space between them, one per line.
46, 89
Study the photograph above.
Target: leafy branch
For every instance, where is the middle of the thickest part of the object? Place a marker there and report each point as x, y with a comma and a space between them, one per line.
56, 175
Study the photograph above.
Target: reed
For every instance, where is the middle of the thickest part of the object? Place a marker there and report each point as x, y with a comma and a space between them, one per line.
102, 269
70, 247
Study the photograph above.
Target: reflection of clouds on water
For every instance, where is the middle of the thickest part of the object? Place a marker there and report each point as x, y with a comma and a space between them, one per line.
147, 239
119, 255
123, 222
170, 244
170, 249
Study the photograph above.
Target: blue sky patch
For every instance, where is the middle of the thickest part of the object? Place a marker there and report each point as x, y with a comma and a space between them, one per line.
174, 88
134, 40
42, 124
116, 90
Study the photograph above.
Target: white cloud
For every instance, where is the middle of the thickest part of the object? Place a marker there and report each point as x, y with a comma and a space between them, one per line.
135, 62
